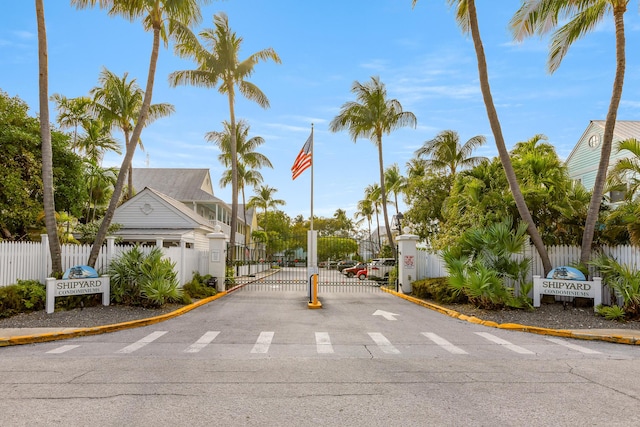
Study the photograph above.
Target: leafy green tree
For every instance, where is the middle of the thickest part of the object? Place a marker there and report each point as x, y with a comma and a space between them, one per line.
445, 152
72, 112
96, 140
221, 67
468, 21
264, 199
625, 173
371, 116
425, 196
21, 191
336, 248
166, 19
578, 18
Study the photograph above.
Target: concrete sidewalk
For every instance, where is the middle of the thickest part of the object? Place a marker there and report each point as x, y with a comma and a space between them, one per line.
16, 336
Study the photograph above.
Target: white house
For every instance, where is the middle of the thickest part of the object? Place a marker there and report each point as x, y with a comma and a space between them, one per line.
582, 163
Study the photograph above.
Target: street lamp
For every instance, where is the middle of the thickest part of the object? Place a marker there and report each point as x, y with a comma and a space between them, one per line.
398, 226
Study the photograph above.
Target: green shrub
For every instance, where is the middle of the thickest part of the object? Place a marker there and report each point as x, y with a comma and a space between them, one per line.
624, 281
436, 289
145, 280
26, 295
197, 288
613, 312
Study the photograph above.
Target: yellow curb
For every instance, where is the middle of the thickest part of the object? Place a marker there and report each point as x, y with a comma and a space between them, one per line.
565, 333
54, 336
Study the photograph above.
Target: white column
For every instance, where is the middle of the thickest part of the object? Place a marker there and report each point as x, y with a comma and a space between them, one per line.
218, 256
407, 269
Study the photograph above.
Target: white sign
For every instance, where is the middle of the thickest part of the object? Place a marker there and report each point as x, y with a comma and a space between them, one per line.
61, 288
567, 288
409, 262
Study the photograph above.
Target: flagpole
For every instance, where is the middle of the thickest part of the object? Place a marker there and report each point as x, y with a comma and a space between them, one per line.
312, 164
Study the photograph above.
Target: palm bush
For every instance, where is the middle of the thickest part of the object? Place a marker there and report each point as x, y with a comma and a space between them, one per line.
147, 280
482, 264
624, 282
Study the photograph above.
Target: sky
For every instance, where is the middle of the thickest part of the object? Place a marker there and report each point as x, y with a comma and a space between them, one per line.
420, 54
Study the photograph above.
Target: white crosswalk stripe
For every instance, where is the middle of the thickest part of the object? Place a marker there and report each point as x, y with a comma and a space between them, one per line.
444, 343
575, 347
263, 343
504, 343
142, 342
323, 343
383, 343
204, 341
62, 349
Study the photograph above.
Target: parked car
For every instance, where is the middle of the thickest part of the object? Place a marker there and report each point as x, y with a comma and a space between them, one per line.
352, 271
379, 268
362, 274
346, 264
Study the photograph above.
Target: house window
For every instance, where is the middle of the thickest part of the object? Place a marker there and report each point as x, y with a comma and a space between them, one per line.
594, 141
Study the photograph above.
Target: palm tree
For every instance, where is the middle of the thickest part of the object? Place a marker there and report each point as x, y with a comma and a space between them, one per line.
118, 102
373, 194
541, 17
625, 173
96, 140
264, 199
366, 210
222, 65
71, 112
395, 182
447, 153
468, 21
47, 149
249, 160
372, 116
165, 18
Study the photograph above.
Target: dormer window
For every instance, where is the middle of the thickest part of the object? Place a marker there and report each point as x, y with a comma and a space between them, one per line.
594, 141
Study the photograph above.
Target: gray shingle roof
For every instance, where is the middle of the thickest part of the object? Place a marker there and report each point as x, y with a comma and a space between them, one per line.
180, 184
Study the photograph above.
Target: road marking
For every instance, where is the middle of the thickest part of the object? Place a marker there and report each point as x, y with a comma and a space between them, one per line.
202, 342
384, 344
572, 346
505, 344
323, 343
62, 349
444, 343
263, 342
141, 343
385, 314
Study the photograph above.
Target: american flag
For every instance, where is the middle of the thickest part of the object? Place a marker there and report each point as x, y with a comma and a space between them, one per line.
303, 161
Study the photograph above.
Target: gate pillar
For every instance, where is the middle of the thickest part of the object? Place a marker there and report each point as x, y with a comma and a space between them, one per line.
218, 256
406, 261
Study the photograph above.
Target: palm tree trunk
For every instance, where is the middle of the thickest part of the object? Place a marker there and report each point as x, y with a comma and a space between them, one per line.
47, 150
130, 150
234, 173
383, 195
607, 139
505, 159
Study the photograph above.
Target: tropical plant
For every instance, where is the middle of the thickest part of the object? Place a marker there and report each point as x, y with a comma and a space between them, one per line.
159, 283
221, 67
395, 182
166, 19
45, 136
467, 18
371, 116
623, 280
447, 154
264, 199
249, 160
117, 102
612, 312
625, 173
96, 140
484, 264
72, 112
579, 18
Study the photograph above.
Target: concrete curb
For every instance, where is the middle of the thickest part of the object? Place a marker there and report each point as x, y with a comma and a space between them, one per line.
79, 332
619, 338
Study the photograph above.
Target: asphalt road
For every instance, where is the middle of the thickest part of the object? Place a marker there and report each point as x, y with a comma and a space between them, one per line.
364, 359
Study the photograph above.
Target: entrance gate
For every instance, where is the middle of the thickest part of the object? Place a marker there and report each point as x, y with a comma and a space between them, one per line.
281, 265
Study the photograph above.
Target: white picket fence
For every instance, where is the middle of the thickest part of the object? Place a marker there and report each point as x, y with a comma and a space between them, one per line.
32, 261
430, 265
